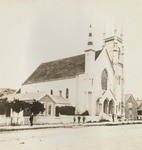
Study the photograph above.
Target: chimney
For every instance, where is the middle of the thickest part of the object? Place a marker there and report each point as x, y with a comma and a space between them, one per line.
60, 93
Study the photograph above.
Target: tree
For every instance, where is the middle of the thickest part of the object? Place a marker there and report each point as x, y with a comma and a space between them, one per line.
85, 113
18, 106
36, 107
3, 106
65, 110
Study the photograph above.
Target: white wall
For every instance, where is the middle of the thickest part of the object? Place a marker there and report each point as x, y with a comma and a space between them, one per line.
56, 86
101, 64
81, 85
82, 101
5, 120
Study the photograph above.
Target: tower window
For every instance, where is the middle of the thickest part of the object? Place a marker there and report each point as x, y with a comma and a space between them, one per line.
104, 79
67, 93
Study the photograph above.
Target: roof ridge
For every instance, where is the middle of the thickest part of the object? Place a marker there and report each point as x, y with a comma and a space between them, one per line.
62, 59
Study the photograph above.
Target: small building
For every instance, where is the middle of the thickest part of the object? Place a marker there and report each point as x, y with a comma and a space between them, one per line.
130, 107
50, 101
139, 109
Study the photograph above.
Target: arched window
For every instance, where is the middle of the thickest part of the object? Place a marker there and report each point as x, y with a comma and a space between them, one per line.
49, 110
67, 93
51, 92
104, 79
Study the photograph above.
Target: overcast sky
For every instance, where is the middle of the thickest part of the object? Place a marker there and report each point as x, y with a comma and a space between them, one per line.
37, 31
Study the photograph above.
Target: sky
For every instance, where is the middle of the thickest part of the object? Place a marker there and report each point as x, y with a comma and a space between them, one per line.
37, 31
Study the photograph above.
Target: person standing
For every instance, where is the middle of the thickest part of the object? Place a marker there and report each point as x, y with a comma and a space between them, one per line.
74, 119
83, 119
113, 117
79, 119
31, 119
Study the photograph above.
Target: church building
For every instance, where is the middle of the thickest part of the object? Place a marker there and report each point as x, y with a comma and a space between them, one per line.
91, 81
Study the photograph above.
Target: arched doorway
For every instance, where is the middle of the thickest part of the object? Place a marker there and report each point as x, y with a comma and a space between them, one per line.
105, 108
111, 107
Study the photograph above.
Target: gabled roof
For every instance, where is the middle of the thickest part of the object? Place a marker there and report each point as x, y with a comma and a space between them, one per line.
127, 96
61, 100
59, 69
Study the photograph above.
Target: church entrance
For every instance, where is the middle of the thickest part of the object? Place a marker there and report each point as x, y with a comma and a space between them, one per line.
111, 107
105, 108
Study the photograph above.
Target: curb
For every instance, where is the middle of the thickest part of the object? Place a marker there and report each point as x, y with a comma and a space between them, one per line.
19, 128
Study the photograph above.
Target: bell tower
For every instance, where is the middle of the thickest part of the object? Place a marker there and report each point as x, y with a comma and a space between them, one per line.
89, 54
115, 49
89, 73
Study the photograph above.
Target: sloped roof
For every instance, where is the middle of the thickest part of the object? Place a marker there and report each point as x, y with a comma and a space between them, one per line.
139, 102
26, 96
29, 97
127, 96
61, 100
97, 54
59, 69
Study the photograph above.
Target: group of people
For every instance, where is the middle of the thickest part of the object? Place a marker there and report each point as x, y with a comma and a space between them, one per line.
79, 119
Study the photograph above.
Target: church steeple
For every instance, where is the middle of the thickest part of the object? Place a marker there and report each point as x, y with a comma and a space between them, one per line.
104, 37
89, 72
90, 39
89, 54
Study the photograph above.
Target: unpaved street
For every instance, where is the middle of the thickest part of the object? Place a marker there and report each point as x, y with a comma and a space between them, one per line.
127, 137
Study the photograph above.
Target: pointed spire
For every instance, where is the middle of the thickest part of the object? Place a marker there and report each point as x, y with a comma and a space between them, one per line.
115, 32
121, 34
115, 35
90, 39
104, 36
115, 28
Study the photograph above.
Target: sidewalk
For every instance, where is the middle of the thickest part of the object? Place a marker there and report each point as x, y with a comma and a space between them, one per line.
27, 127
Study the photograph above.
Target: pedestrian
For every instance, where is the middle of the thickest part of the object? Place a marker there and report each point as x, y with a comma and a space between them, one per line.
83, 119
113, 117
31, 119
74, 119
79, 119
